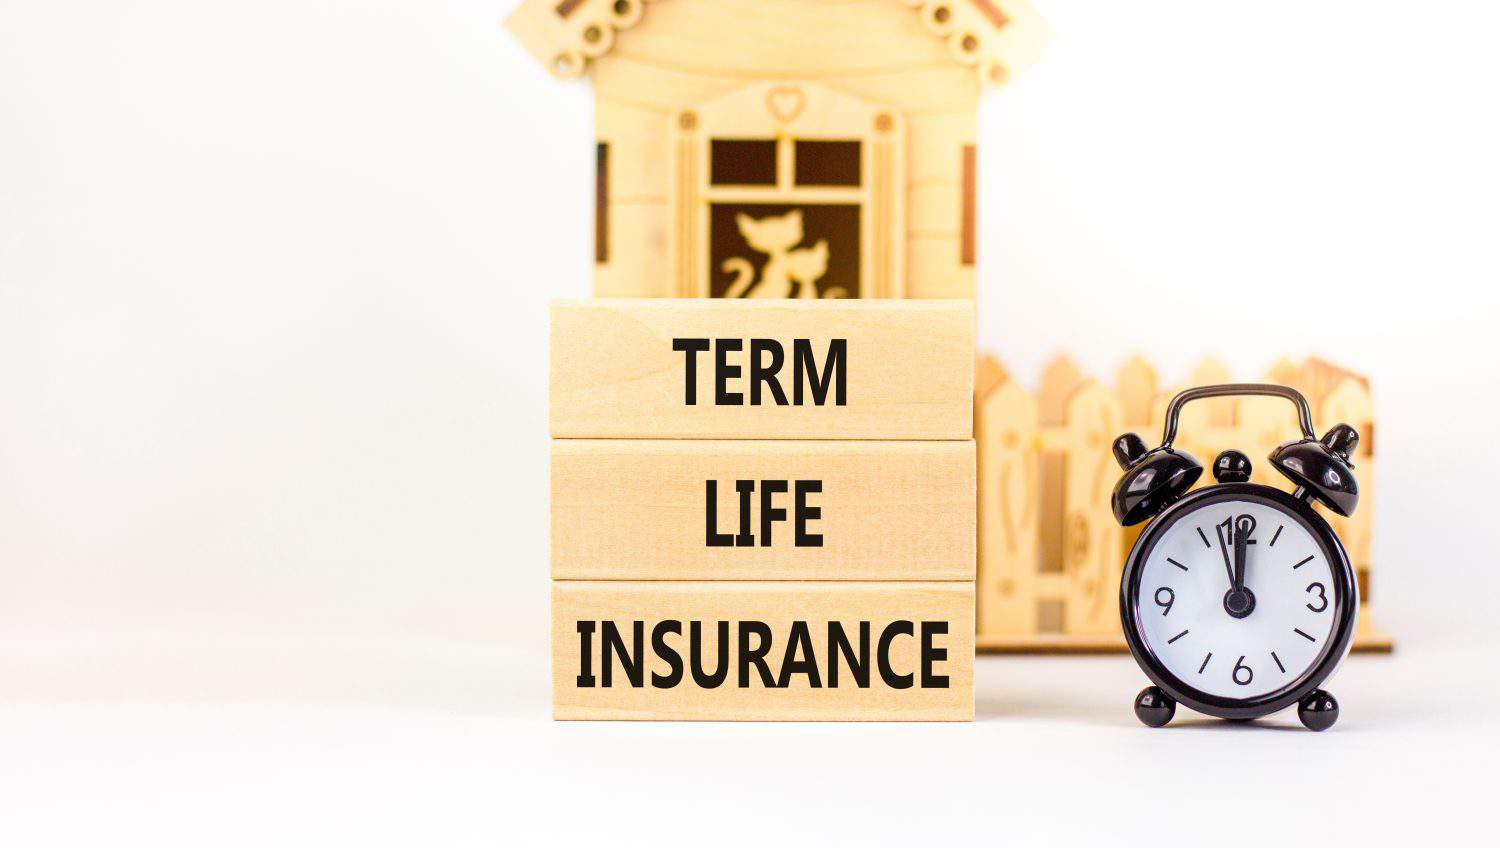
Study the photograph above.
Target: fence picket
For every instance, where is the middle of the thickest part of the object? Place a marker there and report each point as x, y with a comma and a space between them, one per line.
1136, 387
1006, 433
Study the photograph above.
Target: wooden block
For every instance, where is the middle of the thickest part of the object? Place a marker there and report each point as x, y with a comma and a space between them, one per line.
839, 510
639, 368
911, 643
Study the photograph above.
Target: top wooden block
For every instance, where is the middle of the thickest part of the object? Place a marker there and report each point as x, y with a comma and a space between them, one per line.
782, 369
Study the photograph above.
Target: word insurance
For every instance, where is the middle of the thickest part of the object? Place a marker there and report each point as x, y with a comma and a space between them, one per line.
791, 650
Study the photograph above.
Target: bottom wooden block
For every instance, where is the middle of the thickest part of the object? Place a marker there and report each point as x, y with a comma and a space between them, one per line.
763, 651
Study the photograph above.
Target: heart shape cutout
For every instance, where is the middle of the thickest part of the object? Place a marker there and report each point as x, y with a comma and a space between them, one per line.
786, 103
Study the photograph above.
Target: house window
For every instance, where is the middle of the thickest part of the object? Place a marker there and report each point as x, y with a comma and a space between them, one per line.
784, 250
601, 203
968, 213
742, 162
785, 217
788, 190
828, 163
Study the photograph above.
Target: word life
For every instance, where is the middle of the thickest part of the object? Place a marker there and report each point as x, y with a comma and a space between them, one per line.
802, 513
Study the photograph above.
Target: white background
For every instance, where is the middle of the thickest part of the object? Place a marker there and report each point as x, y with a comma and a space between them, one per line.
273, 280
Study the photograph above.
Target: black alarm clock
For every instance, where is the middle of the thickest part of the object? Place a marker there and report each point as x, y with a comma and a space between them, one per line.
1238, 600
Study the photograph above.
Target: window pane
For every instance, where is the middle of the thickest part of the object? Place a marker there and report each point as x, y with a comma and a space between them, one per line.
742, 162
601, 203
828, 163
784, 250
967, 236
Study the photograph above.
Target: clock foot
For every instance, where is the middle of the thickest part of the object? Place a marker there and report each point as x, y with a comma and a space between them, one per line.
1154, 707
1318, 710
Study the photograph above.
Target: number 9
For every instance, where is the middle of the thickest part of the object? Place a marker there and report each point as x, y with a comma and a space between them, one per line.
1167, 604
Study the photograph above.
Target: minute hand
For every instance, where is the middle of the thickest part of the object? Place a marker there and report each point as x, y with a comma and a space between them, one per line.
1225, 526
1241, 542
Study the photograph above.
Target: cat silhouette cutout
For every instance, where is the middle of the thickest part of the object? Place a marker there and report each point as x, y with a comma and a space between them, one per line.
788, 272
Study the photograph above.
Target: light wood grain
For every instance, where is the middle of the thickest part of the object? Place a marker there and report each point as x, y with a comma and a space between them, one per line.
786, 38
614, 373
1006, 434
1092, 556
638, 510
777, 605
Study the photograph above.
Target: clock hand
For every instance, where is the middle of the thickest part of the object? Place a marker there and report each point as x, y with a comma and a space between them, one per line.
1240, 601
1219, 530
1241, 534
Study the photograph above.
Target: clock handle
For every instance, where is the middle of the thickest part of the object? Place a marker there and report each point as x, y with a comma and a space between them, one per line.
1304, 414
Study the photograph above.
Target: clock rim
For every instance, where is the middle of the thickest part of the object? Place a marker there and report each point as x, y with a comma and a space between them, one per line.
1346, 604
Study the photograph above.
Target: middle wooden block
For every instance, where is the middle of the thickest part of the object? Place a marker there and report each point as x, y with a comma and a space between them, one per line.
762, 510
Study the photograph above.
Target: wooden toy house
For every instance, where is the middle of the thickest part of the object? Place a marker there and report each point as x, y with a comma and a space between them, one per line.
784, 148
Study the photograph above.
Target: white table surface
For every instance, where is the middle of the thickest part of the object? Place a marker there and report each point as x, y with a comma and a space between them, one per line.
307, 740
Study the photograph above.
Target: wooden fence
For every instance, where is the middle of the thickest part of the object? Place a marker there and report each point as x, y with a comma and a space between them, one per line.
1050, 552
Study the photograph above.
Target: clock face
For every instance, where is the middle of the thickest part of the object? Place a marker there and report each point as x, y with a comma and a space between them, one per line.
1238, 599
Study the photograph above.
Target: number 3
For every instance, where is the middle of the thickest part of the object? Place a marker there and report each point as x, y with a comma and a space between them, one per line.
1322, 597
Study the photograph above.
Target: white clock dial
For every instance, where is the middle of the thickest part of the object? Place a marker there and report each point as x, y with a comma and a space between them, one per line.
1183, 614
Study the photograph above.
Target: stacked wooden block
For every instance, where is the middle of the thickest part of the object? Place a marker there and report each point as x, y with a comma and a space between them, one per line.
763, 510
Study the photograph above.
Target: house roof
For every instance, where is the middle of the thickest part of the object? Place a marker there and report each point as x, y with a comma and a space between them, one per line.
998, 38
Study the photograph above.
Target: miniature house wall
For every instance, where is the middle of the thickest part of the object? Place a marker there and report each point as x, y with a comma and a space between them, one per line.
784, 148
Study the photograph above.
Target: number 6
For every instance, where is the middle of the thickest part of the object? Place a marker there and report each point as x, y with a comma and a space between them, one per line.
1239, 666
